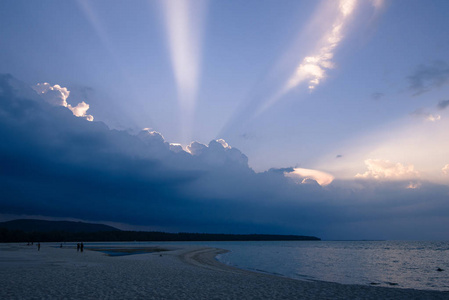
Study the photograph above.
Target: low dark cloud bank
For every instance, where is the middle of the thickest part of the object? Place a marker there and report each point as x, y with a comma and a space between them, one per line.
55, 164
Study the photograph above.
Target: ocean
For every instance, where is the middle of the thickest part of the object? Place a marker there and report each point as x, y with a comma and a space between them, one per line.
422, 265
400, 264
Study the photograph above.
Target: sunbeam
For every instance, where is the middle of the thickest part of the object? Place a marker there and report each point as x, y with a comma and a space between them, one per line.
313, 67
184, 24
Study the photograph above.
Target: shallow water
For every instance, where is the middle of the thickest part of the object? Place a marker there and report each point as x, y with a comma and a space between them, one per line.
400, 264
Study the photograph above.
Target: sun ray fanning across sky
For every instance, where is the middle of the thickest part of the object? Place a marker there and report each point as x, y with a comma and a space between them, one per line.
313, 67
184, 24
309, 59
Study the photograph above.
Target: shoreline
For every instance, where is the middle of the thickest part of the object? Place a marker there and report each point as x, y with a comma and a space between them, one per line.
183, 272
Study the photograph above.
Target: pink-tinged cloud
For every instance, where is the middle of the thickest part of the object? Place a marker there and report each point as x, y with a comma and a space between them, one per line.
301, 175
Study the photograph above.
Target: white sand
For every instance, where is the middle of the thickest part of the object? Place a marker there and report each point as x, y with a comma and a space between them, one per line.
188, 272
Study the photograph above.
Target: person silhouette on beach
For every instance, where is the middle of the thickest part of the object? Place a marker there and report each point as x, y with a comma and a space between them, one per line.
38, 246
78, 247
82, 247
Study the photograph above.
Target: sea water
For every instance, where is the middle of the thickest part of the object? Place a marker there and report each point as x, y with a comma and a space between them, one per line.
401, 264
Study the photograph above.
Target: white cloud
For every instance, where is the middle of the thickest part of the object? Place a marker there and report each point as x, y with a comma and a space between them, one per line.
223, 143
175, 147
385, 169
301, 175
413, 185
313, 68
80, 110
57, 96
445, 170
421, 113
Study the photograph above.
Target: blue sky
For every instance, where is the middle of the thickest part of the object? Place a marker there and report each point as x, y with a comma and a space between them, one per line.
346, 93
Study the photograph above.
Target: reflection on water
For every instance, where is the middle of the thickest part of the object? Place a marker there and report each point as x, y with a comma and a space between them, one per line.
418, 265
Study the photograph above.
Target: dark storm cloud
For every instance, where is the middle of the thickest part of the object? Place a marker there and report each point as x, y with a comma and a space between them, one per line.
443, 104
55, 164
427, 77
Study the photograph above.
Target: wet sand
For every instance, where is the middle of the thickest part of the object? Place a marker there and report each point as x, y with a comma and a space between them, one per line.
183, 272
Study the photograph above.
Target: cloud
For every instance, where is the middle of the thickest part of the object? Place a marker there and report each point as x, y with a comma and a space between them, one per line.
428, 77
377, 95
57, 96
413, 185
54, 164
175, 147
304, 175
443, 104
420, 113
445, 170
385, 170
80, 110
313, 68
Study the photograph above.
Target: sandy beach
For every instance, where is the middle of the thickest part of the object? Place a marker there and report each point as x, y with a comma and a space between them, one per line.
183, 272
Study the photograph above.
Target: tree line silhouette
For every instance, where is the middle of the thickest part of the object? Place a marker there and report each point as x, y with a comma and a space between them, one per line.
17, 236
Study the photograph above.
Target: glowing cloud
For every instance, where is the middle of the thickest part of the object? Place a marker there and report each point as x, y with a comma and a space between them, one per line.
385, 169
57, 96
184, 29
313, 68
413, 185
301, 175
420, 113
223, 143
175, 147
445, 170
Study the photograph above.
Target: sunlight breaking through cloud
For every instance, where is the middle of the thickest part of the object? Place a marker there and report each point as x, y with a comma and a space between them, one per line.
57, 96
184, 23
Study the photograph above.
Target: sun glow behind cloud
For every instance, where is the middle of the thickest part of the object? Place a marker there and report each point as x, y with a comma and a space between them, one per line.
184, 23
419, 144
57, 96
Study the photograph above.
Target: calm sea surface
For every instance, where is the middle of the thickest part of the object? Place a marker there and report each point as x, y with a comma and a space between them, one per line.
400, 264
384, 263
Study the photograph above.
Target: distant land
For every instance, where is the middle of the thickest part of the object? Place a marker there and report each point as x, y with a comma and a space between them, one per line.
30, 225
30, 230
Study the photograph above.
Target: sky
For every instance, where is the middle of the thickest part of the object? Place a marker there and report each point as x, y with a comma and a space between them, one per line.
324, 118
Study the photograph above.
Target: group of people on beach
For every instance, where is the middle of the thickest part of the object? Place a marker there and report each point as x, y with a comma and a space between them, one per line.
79, 246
